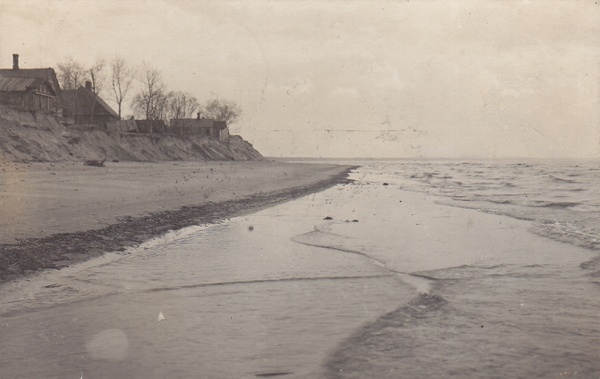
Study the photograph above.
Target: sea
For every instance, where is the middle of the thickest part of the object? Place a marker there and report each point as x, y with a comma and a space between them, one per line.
415, 269
561, 198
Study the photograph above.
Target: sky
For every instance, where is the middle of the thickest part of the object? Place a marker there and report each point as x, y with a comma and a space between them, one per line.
379, 79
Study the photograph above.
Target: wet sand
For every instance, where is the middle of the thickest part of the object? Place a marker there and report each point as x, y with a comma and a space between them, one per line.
55, 214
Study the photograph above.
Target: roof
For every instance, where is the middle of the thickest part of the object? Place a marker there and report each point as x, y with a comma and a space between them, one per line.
85, 98
220, 125
27, 72
40, 73
10, 84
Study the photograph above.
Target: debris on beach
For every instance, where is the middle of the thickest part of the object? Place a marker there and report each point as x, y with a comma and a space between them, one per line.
94, 162
328, 218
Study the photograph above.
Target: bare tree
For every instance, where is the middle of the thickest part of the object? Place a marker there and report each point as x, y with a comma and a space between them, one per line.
181, 106
121, 80
222, 110
95, 74
151, 101
71, 74
162, 106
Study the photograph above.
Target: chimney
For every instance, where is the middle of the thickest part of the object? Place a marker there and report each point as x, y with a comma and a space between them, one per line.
15, 61
88, 85
198, 115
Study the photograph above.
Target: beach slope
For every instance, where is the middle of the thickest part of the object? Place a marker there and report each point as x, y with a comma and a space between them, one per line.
55, 214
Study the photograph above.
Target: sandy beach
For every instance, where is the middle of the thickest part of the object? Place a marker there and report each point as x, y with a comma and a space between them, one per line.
55, 214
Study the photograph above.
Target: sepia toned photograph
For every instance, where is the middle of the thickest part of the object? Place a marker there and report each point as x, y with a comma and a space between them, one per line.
299, 189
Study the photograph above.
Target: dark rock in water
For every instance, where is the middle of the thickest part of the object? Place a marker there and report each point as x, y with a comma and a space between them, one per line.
386, 184
354, 220
328, 218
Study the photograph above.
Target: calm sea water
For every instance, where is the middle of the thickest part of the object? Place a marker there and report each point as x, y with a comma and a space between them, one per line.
388, 277
561, 197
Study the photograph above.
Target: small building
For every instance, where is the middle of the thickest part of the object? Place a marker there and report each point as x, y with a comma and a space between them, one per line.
151, 126
86, 107
30, 89
221, 131
200, 126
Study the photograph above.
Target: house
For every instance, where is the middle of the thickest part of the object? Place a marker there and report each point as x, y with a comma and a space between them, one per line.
30, 89
200, 126
221, 131
86, 107
151, 126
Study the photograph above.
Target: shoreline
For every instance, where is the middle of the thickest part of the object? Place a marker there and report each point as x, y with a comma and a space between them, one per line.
58, 250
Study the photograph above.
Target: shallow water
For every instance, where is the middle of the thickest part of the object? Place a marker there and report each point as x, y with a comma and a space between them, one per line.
392, 285
239, 299
531, 311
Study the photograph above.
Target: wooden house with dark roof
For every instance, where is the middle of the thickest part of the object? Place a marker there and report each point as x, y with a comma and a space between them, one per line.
86, 107
30, 89
200, 126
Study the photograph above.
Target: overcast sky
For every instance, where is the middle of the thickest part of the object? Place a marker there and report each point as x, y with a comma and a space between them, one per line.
352, 78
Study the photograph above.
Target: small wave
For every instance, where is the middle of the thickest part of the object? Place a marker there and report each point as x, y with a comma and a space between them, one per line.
557, 179
355, 354
261, 281
569, 232
500, 201
344, 244
555, 205
326, 240
521, 164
